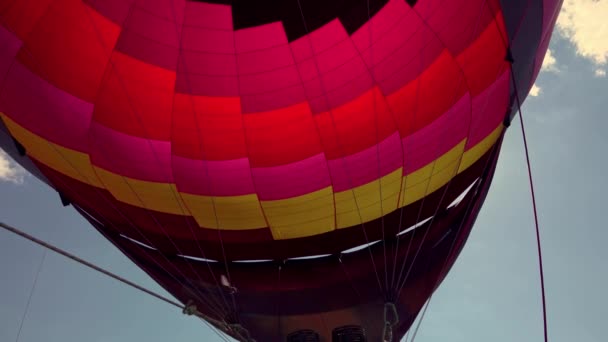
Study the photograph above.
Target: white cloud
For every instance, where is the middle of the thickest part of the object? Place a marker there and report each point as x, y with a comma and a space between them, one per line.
600, 72
535, 90
549, 63
584, 23
9, 170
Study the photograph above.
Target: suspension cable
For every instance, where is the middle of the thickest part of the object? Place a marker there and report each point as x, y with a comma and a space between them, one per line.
341, 148
399, 287
536, 224
190, 288
453, 244
215, 304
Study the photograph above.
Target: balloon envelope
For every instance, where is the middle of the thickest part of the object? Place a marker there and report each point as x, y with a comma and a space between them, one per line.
289, 167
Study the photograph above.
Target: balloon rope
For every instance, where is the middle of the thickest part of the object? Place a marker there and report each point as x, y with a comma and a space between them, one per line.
87, 264
98, 269
29, 298
536, 225
533, 195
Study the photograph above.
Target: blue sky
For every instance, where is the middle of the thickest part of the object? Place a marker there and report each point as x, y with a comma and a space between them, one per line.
491, 294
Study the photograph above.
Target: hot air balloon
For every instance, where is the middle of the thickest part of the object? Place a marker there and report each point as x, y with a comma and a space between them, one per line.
291, 170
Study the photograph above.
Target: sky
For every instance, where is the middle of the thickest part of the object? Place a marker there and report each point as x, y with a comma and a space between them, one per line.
492, 292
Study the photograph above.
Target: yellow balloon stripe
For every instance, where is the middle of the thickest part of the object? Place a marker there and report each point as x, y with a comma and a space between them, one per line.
432, 176
226, 212
74, 164
473, 154
138, 193
311, 214
306, 215
362, 204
